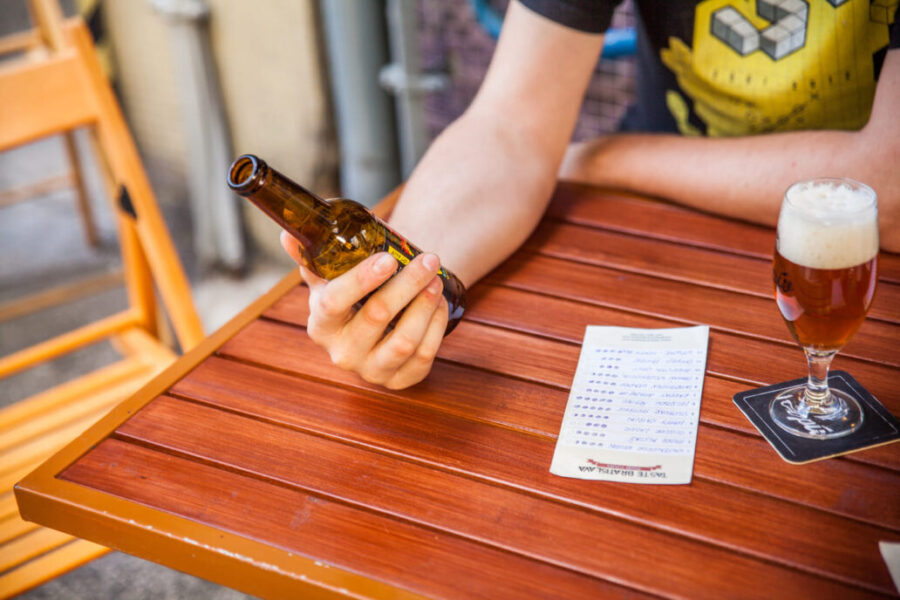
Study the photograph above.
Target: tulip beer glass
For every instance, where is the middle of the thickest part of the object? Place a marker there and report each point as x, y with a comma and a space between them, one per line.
825, 271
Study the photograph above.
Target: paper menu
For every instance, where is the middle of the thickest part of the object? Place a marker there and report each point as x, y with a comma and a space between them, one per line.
634, 406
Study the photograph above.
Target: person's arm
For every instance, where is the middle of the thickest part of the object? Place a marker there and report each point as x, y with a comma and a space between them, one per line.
473, 199
483, 185
746, 177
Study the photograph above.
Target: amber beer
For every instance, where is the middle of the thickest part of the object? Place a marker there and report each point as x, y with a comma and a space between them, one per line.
825, 268
333, 235
825, 273
823, 308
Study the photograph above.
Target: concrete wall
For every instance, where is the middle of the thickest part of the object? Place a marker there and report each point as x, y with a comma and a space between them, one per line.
271, 71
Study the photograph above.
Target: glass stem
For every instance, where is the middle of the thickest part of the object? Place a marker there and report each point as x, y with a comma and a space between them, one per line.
817, 395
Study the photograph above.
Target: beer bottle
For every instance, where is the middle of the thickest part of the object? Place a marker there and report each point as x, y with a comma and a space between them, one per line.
333, 235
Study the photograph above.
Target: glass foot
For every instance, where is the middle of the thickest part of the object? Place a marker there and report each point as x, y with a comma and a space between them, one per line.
842, 416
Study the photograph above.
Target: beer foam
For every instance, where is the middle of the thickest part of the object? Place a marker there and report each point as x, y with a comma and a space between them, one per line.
828, 225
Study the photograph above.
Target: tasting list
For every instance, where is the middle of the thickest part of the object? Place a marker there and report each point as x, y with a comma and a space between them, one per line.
634, 406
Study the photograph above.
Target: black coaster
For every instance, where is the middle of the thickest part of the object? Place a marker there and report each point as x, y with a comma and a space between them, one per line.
879, 426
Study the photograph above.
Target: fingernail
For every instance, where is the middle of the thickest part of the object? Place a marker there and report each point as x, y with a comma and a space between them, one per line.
435, 286
431, 262
384, 265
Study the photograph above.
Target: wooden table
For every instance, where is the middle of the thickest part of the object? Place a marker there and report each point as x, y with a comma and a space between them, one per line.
255, 463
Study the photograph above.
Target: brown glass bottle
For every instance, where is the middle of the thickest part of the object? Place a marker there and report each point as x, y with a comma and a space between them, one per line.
333, 235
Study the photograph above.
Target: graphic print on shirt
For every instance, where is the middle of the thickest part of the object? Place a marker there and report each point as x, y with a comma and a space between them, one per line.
758, 66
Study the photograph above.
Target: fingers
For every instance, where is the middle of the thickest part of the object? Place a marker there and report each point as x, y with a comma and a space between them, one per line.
417, 367
405, 340
311, 279
291, 247
408, 291
355, 339
370, 322
331, 305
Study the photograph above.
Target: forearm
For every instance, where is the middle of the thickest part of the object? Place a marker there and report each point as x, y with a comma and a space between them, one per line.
746, 177
484, 183
477, 194
741, 177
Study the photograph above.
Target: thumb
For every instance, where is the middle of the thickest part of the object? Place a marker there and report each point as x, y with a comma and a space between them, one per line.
311, 279
290, 245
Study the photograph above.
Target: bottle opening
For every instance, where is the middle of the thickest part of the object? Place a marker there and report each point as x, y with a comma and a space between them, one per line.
244, 172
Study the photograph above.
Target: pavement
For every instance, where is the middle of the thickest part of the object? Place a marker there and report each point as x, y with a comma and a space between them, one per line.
42, 245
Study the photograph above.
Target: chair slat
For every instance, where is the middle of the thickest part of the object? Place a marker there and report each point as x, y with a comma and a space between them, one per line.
34, 451
46, 567
44, 402
30, 545
40, 98
14, 527
8, 506
72, 340
94, 403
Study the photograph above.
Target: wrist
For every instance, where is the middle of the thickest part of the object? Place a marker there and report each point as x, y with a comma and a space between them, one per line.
593, 162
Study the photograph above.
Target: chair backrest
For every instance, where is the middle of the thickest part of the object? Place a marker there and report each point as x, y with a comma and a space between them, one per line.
52, 92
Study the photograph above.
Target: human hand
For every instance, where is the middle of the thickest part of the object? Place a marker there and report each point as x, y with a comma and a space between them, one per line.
358, 340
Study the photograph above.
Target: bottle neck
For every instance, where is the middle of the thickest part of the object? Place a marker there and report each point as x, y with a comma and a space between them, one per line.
290, 204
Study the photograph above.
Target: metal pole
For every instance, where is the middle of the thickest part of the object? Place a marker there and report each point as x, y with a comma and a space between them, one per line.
404, 77
217, 225
357, 49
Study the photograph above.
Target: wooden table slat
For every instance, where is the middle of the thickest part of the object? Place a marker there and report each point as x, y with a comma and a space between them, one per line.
779, 480
684, 302
494, 454
681, 263
505, 306
617, 211
553, 363
374, 482
341, 535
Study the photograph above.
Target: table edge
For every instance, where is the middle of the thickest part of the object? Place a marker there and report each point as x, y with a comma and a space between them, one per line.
72, 451
66, 506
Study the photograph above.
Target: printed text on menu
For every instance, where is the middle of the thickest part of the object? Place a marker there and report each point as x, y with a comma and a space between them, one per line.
634, 406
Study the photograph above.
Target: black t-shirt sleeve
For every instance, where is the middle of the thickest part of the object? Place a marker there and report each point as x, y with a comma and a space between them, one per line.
591, 16
895, 31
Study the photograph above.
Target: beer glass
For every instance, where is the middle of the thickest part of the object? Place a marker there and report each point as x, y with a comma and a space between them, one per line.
825, 271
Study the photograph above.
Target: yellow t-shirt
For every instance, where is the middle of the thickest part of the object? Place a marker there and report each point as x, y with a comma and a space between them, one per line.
741, 67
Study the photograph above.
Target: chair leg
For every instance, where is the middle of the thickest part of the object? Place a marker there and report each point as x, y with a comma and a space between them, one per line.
87, 217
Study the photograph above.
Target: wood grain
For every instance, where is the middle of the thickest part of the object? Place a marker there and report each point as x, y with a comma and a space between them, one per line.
704, 510
505, 410
673, 300
547, 361
618, 211
555, 533
679, 262
511, 308
340, 535
444, 489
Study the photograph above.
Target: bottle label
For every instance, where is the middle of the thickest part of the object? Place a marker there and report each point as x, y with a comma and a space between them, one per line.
402, 250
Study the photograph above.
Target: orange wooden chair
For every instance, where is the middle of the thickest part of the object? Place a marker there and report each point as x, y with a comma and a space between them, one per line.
51, 93
39, 40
